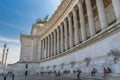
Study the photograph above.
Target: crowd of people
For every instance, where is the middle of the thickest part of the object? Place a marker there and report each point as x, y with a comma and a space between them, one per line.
78, 72
9, 74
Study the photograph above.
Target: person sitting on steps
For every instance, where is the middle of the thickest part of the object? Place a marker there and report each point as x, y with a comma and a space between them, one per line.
93, 72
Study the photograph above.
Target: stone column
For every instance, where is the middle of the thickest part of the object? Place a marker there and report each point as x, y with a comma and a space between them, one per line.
116, 5
102, 14
55, 43
35, 50
40, 48
90, 17
48, 46
45, 48
62, 40
58, 41
82, 21
76, 31
66, 35
51, 36
70, 31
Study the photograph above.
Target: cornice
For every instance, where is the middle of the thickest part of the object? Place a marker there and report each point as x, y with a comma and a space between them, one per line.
22, 36
29, 62
56, 15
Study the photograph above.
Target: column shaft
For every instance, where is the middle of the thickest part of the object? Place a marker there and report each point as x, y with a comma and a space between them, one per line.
58, 41
90, 17
102, 14
51, 45
55, 43
62, 40
82, 21
66, 35
35, 50
116, 5
40, 48
45, 48
76, 31
70, 31
48, 46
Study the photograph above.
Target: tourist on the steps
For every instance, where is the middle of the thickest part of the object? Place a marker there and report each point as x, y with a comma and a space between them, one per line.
4, 76
78, 73
105, 72
13, 76
26, 73
93, 72
58, 73
109, 70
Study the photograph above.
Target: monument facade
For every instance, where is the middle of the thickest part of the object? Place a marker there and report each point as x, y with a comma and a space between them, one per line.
82, 34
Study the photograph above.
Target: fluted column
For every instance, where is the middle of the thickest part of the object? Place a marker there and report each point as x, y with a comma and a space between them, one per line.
82, 21
58, 41
52, 48
54, 42
70, 31
90, 17
116, 5
66, 35
40, 49
76, 33
62, 40
35, 50
102, 14
45, 48
48, 46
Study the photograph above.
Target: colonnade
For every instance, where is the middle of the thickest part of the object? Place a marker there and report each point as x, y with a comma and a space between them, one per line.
67, 34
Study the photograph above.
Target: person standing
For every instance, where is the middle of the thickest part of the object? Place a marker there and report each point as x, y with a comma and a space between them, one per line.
4, 76
93, 72
78, 74
13, 76
109, 70
105, 72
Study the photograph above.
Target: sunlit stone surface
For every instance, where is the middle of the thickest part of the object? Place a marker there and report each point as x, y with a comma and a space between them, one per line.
81, 34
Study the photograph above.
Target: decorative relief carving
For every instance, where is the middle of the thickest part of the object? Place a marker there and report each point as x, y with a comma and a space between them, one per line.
62, 65
72, 63
87, 60
115, 55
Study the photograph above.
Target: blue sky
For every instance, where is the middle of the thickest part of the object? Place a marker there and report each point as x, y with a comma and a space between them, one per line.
17, 16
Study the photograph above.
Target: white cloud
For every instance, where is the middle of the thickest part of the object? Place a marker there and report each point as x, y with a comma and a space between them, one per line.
9, 40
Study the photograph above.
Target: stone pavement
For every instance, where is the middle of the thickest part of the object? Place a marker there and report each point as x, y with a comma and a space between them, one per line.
41, 77
47, 77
